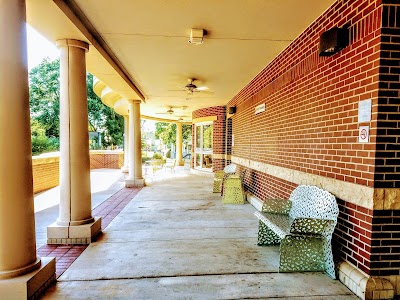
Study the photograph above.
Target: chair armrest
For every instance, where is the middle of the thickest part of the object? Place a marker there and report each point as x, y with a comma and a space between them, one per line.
312, 226
277, 206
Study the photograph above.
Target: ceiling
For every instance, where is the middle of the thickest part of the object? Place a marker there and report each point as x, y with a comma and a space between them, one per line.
140, 50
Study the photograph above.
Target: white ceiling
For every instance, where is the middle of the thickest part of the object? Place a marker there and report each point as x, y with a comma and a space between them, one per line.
149, 41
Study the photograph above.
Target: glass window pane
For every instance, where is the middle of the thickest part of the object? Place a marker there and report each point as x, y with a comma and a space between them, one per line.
207, 136
207, 161
198, 163
198, 136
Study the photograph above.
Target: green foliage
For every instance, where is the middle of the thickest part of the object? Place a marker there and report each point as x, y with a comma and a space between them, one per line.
44, 100
103, 119
157, 156
44, 96
40, 142
167, 132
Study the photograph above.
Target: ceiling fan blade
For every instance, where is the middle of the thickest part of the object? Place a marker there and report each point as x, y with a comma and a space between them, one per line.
202, 88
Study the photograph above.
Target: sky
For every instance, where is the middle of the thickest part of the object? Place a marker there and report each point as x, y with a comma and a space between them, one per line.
39, 48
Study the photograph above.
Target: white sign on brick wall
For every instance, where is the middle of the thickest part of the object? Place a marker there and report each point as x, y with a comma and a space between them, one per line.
363, 134
260, 108
364, 111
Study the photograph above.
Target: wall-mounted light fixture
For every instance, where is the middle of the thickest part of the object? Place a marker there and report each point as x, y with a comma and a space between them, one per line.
332, 41
232, 110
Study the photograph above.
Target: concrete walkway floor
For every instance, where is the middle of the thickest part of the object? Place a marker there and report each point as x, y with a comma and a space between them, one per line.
176, 240
104, 183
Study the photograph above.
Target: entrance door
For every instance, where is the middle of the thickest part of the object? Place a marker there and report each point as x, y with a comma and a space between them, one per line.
203, 146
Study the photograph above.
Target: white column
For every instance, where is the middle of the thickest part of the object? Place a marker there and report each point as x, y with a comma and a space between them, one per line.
179, 156
75, 224
125, 167
17, 219
135, 177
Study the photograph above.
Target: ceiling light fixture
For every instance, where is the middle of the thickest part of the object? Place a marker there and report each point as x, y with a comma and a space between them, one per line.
196, 36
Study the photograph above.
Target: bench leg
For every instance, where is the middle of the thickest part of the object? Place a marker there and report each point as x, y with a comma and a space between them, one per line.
301, 253
266, 236
328, 256
217, 186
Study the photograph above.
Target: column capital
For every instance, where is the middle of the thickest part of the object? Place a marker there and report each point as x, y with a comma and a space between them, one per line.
72, 43
134, 101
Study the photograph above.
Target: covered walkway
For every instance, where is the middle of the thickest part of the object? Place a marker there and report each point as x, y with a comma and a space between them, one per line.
176, 240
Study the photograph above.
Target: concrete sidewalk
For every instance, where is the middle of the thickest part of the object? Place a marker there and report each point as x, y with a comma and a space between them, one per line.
176, 240
104, 183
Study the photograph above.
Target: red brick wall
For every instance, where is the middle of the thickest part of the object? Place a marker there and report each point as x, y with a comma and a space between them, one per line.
387, 164
45, 173
353, 235
106, 160
311, 122
218, 133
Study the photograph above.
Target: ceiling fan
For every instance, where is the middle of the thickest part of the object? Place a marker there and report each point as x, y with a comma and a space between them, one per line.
191, 88
182, 118
170, 111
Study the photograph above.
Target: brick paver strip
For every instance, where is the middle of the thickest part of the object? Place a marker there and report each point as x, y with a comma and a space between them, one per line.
66, 254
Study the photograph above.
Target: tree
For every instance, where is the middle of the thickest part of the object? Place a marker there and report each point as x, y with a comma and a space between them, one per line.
44, 96
44, 100
167, 132
40, 142
103, 119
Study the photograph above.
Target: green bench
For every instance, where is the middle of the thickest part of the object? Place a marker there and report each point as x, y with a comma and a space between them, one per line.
303, 226
220, 175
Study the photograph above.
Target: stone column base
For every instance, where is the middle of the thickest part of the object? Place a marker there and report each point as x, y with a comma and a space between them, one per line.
364, 286
82, 234
30, 285
130, 183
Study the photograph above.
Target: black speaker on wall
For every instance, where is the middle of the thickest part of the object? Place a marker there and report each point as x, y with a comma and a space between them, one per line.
232, 110
332, 41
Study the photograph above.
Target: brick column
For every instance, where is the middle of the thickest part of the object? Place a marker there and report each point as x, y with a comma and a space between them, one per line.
75, 224
17, 219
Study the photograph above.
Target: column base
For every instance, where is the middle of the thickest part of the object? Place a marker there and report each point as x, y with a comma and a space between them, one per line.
30, 285
365, 286
124, 169
129, 183
82, 234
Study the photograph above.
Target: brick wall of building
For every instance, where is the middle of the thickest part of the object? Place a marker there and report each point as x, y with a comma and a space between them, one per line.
45, 171
218, 133
387, 168
311, 123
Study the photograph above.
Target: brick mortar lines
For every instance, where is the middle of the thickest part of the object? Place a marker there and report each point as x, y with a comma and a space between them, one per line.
107, 210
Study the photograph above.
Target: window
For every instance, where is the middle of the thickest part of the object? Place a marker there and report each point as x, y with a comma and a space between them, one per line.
204, 145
